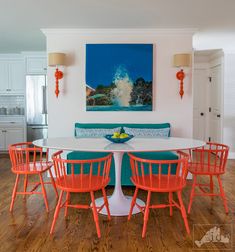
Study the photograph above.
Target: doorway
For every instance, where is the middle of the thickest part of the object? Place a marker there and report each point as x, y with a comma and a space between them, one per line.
207, 95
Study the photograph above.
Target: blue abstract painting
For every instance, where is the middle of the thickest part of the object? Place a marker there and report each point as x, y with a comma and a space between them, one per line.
119, 77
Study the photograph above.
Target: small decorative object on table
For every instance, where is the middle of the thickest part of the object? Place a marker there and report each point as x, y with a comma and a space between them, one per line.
119, 137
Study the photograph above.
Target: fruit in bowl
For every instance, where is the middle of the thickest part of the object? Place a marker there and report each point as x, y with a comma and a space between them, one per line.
116, 135
124, 135
119, 137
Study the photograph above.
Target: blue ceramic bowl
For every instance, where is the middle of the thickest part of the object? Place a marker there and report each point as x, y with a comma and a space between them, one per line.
118, 140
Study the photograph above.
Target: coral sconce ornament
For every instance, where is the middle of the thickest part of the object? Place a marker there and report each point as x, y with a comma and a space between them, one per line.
180, 76
181, 60
55, 60
58, 75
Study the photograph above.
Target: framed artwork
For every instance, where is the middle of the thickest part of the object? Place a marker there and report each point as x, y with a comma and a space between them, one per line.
119, 77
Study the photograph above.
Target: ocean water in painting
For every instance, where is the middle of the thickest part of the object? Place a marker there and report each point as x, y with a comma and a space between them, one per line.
119, 77
120, 108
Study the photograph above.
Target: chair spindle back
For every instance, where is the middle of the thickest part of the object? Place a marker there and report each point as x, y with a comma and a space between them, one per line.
159, 173
25, 153
87, 170
210, 158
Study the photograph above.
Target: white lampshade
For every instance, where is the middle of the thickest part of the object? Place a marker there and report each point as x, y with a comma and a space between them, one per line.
182, 60
56, 59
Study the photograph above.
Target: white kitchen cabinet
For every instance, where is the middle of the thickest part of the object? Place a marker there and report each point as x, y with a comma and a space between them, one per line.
10, 136
14, 136
17, 77
12, 76
3, 76
36, 65
2, 140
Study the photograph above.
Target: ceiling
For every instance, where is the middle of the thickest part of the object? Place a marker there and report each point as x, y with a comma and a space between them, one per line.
20, 21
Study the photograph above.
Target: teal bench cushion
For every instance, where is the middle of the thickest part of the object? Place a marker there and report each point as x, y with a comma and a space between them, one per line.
126, 170
84, 155
167, 155
96, 132
115, 125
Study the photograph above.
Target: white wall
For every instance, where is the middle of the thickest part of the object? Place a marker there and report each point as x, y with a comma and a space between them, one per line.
229, 102
70, 107
214, 40
205, 61
226, 42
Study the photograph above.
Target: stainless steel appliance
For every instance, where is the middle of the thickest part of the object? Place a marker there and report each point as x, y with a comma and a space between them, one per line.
36, 107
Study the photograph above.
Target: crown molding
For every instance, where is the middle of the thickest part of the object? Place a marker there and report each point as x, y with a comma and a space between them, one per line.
229, 51
134, 31
33, 53
11, 56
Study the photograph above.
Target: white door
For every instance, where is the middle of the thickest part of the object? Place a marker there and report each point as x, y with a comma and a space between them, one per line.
215, 120
200, 83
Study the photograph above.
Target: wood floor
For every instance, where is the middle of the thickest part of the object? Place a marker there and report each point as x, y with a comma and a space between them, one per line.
27, 229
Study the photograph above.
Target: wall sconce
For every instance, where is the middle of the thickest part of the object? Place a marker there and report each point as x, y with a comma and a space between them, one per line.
55, 60
181, 60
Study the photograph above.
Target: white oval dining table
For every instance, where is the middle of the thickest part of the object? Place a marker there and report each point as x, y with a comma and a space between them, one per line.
119, 204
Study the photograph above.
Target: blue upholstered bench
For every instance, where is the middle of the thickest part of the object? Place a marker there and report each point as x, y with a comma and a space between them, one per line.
126, 170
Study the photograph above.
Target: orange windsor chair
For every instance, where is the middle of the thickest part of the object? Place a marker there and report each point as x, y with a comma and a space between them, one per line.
85, 176
28, 160
161, 176
209, 160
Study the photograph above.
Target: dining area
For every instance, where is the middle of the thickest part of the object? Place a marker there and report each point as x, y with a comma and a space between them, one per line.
117, 126
70, 193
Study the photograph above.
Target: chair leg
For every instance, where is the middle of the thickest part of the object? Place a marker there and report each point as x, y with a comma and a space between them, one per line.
57, 210
95, 214
133, 203
223, 194
67, 202
53, 184
211, 185
14, 192
170, 202
183, 212
146, 214
25, 184
106, 203
192, 193
44, 192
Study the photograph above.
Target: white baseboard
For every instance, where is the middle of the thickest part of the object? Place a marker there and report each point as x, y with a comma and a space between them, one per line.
231, 155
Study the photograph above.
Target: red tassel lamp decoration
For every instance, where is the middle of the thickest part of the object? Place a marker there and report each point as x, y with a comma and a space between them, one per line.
55, 60
181, 60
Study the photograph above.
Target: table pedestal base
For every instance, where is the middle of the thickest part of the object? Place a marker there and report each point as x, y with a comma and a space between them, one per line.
120, 206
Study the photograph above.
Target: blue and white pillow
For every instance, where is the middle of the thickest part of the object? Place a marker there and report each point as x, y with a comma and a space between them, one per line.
137, 132
95, 132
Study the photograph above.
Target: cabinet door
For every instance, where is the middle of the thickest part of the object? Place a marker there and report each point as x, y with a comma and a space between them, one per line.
36, 65
17, 76
15, 135
2, 140
4, 77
